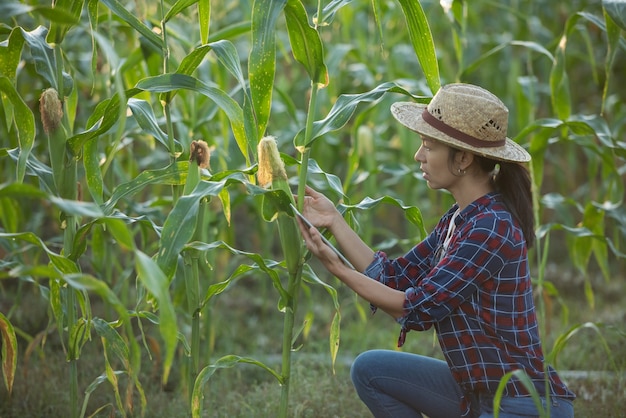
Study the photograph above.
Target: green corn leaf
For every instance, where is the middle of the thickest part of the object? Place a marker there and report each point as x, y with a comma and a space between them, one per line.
45, 60
101, 120
329, 11
342, 110
378, 14
178, 230
87, 283
115, 226
204, 20
10, 54
58, 17
169, 82
616, 9
334, 338
559, 81
174, 174
226, 53
9, 352
178, 7
520, 375
77, 208
262, 59
205, 374
65, 265
335, 328
306, 44
114, 341
93, 173
24, 123
479, 63
145, 118
563, 339
63, 15
180, 225
422, 40
12, 218
119, 10
93, 386
36, 168
412, 213
266, 266
157, 284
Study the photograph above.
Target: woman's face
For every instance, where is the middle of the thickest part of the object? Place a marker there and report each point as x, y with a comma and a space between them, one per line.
434, 159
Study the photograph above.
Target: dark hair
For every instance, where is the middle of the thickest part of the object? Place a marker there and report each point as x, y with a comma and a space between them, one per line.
512, 180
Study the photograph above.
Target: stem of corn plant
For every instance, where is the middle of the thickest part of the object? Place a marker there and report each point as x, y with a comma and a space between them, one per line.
304, 160
64, 170
199, 158
68, 190
293, 286
272, 171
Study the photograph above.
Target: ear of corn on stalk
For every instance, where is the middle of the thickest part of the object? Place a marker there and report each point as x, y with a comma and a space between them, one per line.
272, 172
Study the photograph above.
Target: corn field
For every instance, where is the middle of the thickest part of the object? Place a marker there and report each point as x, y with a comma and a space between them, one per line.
150, 150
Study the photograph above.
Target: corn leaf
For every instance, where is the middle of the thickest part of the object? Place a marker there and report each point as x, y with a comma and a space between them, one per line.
114, 342
178, 7
178, 229
520, 375
205, 374
63, 15
564, 338
103, 118
174, 174
204, 20
170, 82
145, 118
262, 58
24, 123
412, 213
616, 9
9, 352
64, 264
93, 173
260, 264
342, 110
422, 41
157, 283
10, 53
305, 42
124, 14
45, 60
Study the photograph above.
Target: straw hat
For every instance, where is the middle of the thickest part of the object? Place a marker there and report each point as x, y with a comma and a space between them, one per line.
466, 117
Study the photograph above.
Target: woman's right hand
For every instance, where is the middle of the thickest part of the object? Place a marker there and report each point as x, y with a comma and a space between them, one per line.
319, 209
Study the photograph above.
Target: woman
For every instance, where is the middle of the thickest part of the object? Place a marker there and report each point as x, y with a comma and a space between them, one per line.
469, 279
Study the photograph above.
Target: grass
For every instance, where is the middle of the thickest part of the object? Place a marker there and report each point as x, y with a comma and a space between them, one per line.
253, 329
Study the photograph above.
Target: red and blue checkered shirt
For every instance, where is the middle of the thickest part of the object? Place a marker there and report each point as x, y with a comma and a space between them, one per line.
477, 294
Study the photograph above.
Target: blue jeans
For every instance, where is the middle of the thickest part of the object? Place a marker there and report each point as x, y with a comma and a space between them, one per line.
401, 385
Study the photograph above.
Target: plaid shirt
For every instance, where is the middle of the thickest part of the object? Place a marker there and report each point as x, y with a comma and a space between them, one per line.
478, 296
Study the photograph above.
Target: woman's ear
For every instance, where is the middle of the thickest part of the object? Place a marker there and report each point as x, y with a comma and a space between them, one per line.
463, 159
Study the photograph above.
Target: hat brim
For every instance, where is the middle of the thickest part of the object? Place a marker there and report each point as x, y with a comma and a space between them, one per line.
409, 114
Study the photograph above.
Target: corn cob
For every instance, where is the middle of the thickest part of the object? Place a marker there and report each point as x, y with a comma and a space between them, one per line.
272, 173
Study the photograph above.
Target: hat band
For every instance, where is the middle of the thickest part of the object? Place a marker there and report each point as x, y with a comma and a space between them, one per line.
456, 134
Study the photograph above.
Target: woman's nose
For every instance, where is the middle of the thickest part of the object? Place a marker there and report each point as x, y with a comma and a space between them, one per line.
418, 157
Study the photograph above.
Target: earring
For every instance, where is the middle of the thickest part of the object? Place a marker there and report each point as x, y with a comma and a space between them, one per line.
461, 172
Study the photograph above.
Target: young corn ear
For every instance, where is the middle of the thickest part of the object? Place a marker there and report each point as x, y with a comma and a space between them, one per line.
272, 173
51, 109
199, 156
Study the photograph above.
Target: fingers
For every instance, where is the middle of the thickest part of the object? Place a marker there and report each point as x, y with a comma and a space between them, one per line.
309, 191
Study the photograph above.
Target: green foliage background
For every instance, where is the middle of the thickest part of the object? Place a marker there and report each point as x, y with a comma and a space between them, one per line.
137, 257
